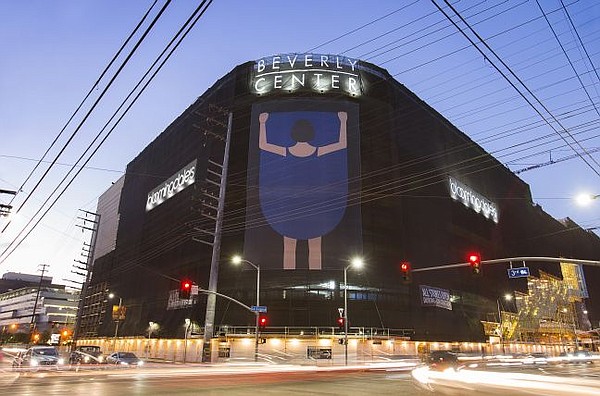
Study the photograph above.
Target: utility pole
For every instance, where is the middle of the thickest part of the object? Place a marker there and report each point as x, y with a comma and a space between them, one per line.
211, 302
216, 127
5, 208
88, 263
32, 324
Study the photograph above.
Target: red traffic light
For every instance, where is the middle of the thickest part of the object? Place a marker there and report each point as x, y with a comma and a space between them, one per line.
475, 262
405, 268
340, 322
185, 289
262, 321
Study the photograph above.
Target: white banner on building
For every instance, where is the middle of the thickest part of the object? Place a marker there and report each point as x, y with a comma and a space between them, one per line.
435, 297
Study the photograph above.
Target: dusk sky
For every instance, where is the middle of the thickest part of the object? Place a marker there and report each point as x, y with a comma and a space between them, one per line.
54, 51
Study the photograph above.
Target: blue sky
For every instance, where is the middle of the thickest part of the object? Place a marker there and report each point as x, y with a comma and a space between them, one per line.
53, 51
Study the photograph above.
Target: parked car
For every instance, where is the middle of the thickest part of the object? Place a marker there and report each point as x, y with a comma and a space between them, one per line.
442, 360
124, 359
38, 357
87, 354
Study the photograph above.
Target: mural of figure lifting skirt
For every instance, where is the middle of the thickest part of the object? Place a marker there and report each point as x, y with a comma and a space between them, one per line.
303, 192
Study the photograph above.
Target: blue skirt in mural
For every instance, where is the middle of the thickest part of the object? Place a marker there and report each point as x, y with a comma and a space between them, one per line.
303, 197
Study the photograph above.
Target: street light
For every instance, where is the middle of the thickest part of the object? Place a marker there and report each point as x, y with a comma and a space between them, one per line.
188, 322
585, 199
356, 262
507, 297
152, 326
238, 260
111, 296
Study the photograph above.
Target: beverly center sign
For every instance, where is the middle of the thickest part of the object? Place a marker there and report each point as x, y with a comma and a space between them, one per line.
306, 72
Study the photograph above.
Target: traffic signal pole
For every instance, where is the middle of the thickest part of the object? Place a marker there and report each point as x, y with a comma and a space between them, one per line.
513, 259
257, 313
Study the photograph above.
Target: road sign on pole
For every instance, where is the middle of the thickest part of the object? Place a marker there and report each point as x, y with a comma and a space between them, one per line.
520, 272
259, 308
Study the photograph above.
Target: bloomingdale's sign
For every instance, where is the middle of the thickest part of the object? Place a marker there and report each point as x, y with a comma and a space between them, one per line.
306, 72
472, 199
176, 183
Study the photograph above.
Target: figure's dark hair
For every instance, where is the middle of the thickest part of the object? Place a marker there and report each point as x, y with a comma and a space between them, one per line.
303, 131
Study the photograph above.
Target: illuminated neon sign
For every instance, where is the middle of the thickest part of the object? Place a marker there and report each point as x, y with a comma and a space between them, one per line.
176, 183
472, 199
306, 72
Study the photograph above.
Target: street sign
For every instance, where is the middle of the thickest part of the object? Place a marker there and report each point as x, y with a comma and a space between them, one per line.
259, 308
54, 339
520, 272
118, 312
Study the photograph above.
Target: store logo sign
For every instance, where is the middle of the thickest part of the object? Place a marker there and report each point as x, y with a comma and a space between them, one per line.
176, 183
306, 72
472, 199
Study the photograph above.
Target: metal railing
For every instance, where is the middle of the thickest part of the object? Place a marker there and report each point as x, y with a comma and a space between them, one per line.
303, 331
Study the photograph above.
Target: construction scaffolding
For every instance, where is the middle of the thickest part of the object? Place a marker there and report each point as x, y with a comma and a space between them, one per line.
552, 311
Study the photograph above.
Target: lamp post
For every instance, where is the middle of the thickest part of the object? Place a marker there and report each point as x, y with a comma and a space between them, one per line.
238, 260
111, 296
188, 322
151, 327
507, 297
357, 263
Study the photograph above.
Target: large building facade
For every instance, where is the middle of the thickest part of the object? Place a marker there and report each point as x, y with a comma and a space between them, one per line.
327, 158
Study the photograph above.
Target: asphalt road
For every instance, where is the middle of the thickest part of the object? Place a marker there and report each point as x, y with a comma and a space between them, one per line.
162, 379
195, 382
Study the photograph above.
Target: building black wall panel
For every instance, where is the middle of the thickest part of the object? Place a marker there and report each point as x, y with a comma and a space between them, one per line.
407, 153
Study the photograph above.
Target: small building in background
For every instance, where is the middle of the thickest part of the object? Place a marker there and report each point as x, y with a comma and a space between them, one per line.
55, 311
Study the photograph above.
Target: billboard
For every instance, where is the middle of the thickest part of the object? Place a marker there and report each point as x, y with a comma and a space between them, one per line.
303, 191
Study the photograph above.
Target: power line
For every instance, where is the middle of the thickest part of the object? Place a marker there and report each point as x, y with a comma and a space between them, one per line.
579, 38
41, 160
89, 112
179, 36
482, 41
568, 58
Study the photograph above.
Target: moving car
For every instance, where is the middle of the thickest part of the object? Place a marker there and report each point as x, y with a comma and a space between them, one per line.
535, 358
87, 354
124, 359
38, 357
442, 360
580, 356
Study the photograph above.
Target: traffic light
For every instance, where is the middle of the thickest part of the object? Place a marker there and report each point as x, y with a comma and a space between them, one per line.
185, 289
340, 322
405, 269
475, 263
262, 322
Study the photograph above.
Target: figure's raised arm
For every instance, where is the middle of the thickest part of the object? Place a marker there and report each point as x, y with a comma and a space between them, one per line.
342, 142
262, 138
